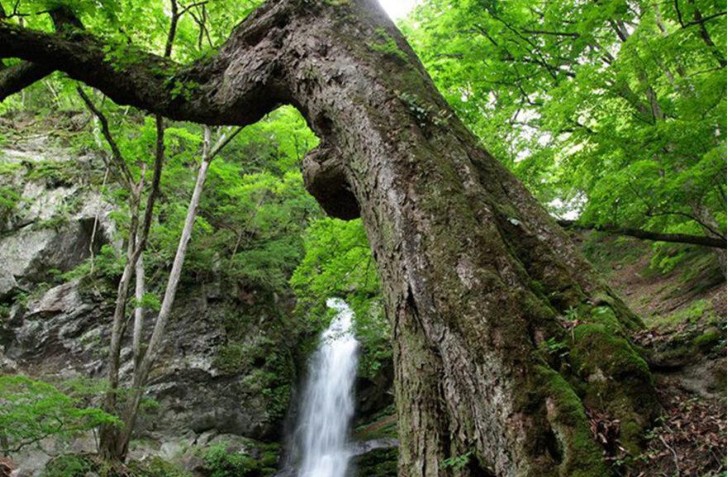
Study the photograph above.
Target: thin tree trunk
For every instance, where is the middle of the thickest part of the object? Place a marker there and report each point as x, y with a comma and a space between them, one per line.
139, 291
108, 432
148, 357
138, 233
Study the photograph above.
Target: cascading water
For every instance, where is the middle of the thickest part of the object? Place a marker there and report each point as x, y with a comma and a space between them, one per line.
328, 400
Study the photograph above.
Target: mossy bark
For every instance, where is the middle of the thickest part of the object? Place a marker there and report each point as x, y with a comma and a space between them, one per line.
479, 281
476, 275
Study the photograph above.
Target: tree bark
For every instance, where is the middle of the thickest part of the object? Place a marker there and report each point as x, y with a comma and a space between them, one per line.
139, 291
143, 366
479, 282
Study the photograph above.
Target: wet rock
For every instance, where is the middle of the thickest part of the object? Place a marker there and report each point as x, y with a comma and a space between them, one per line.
376, 462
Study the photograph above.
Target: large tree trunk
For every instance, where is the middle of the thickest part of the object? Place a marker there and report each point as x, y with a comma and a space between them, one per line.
503, 335
480, 282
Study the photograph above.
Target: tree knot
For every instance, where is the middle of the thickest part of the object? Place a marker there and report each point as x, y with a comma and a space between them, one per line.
324, 176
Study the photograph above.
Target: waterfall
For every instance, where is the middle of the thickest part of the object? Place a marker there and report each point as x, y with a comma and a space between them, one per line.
328, 404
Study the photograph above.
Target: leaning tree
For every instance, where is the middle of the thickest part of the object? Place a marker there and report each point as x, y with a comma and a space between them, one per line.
505, 341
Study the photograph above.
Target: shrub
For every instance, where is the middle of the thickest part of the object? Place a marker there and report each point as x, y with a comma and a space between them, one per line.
68, 466
156, 467
33, 410
221, 462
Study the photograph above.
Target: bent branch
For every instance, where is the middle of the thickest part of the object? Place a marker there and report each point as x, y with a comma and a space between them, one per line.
18, 77
699, 240
235, 87
14, 79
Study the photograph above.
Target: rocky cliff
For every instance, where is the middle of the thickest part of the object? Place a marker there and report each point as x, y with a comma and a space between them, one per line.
231, 359
226, 367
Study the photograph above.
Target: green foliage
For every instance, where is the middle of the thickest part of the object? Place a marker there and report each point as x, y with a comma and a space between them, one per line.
54, 173
338, 263
615, 111
253, 210
9, 198
156, 467
149, 301
692, 314
70, 465
108, 263
556, 348
458, 462
32, 410
221, 461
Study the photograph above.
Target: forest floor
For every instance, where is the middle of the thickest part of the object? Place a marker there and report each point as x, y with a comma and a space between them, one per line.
684, 311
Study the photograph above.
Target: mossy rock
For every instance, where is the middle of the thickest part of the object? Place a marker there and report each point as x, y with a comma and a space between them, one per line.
605, 316
616, 380
81, 465
582, 456
377, 463
597, 349
156, 467
708, 340
244, 458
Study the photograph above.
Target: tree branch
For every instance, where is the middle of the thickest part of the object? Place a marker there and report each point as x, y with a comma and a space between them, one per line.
20, 76
699, 240
14, 79
236, 86
552, 33
704, 35
115, 151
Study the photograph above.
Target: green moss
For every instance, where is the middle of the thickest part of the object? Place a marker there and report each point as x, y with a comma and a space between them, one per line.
538, 288
385, 44
698, 310
596, 348
617, 380
605, 316
581, 456
622, 313
378, 463
233, 358
707, 340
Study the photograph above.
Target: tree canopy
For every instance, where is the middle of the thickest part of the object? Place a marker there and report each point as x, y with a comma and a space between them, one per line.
611, 111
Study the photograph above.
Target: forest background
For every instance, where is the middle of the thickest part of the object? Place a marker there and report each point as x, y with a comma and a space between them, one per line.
613, 113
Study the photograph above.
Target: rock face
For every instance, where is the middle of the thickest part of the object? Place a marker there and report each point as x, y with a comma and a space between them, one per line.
225, 367
56, 222
65, 333
230, 359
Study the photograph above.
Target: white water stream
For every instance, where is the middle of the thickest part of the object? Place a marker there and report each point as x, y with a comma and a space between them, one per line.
329, 398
